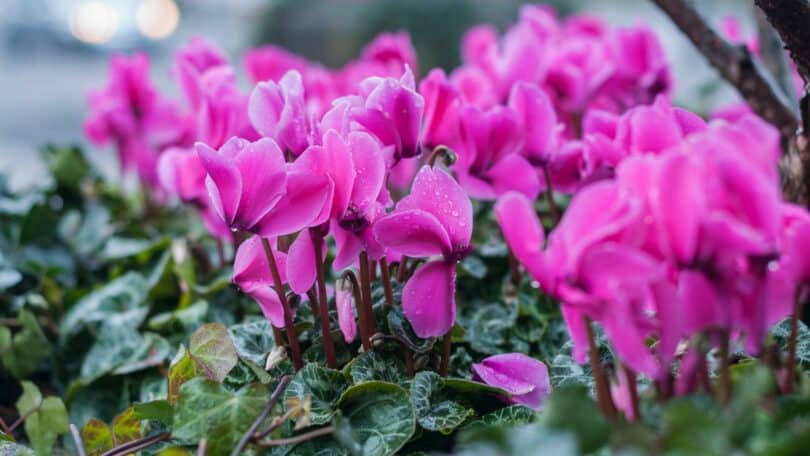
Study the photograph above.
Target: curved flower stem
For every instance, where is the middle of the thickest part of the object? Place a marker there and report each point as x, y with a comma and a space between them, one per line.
292, 337
602, 390
724, 382
328, 343
278, 337
298, 438
552, 205
444, 366
373, 271
386, 281
365, 282
365, 334
280, 387
402, 269
792, 342
443, 152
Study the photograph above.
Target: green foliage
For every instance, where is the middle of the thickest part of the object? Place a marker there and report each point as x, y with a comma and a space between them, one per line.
45, 418
324, 386
22, 352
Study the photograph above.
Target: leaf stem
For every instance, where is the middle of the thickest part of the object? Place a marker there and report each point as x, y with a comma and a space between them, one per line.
292, 337
386, 281
268, 407
328, 343
299, 438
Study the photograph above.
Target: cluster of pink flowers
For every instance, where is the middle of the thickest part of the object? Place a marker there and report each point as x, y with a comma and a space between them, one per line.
676, 228
691, 236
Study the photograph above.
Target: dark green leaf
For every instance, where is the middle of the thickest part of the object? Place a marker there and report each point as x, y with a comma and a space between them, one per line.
121, 301
380, 416
253, 340
323, 385
158, 410
22, 353
375, 365
571, 409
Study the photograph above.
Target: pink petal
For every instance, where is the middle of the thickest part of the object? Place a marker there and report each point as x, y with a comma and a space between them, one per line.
428, 299
264, 178
474, 186
537, 118
524, 377
412, 232
436, 192
301, 263
679, 203
268, 301
514, 173
347, 247
250, 265
224, 183
300, 207
344, 303
369, 165
521, 229
264, 108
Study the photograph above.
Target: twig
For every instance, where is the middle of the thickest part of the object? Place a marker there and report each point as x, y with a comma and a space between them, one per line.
292, 337
77, 440
137, 445
298, 438
280, 387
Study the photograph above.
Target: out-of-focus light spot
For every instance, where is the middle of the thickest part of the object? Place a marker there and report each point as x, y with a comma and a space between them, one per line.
157, 19
94, 21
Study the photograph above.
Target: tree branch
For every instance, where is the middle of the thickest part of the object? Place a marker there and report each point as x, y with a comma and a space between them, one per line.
735, 65
791, 19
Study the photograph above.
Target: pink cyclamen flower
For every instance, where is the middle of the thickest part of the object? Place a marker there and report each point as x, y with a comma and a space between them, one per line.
442, 105
191, 62
394, 51
222, 110
524, 378
434, 220
392, 110
346, 310
489, 163
278, 111
270, 63
356, 167
251, 189
251, 273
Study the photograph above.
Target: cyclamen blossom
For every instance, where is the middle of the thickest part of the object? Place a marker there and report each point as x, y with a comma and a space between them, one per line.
524, 378
251, 190
278, 111
434, 220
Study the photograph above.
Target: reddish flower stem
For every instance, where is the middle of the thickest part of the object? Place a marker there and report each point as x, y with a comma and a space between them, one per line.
792, 342
552, 205
328, 343
602, 390
292, 337
402, 269
386, 281
514, 269
365, 336
365, 285
633, 390
447, 342
724, 382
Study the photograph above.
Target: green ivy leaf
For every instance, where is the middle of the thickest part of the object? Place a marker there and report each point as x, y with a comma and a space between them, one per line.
253, 340
181, 370
375, 365
205, 409
120, 302
126, 427
22, 353
433, 411
47, 418
380, 416
97, 437
323, 385
213, 351
158, 410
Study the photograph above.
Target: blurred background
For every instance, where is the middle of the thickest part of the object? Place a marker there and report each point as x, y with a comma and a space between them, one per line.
53, 51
